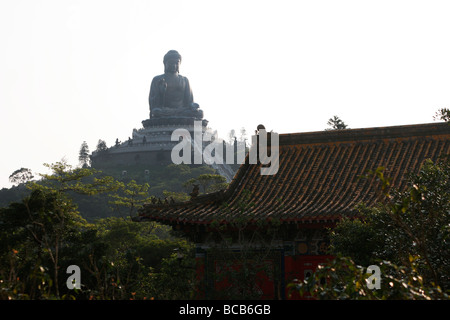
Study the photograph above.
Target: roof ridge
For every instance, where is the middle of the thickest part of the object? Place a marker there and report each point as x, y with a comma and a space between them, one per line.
366, 134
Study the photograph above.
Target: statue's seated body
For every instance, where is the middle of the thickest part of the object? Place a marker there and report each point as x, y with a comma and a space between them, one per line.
170, 93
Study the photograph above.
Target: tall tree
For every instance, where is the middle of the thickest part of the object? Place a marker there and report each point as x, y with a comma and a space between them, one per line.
83, 156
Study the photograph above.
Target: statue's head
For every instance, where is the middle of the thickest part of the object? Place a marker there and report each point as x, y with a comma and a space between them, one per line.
172, 60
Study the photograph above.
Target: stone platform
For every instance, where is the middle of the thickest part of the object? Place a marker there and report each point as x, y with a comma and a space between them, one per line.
151, 144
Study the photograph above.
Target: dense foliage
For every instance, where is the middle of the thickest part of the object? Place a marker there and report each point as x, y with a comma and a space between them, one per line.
45, 232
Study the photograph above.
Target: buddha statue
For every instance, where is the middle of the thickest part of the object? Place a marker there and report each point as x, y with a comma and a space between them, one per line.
171, 94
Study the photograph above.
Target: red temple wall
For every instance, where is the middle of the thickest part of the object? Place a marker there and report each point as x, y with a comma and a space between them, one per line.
290, 268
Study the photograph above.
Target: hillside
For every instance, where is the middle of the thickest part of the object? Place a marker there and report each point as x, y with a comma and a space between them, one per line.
162, 181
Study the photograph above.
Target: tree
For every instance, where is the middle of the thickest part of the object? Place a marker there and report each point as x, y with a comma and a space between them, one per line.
416, 222
65, 179
131, 196
336, 124
442, 114
20, 176
52, 219
136, 260
176, 278
83, 156
51, 224
34, 230
101, 146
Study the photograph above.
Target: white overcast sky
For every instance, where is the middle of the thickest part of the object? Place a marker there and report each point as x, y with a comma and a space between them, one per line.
74, 71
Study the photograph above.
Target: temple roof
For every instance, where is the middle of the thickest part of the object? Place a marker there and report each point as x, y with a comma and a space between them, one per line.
317, 179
